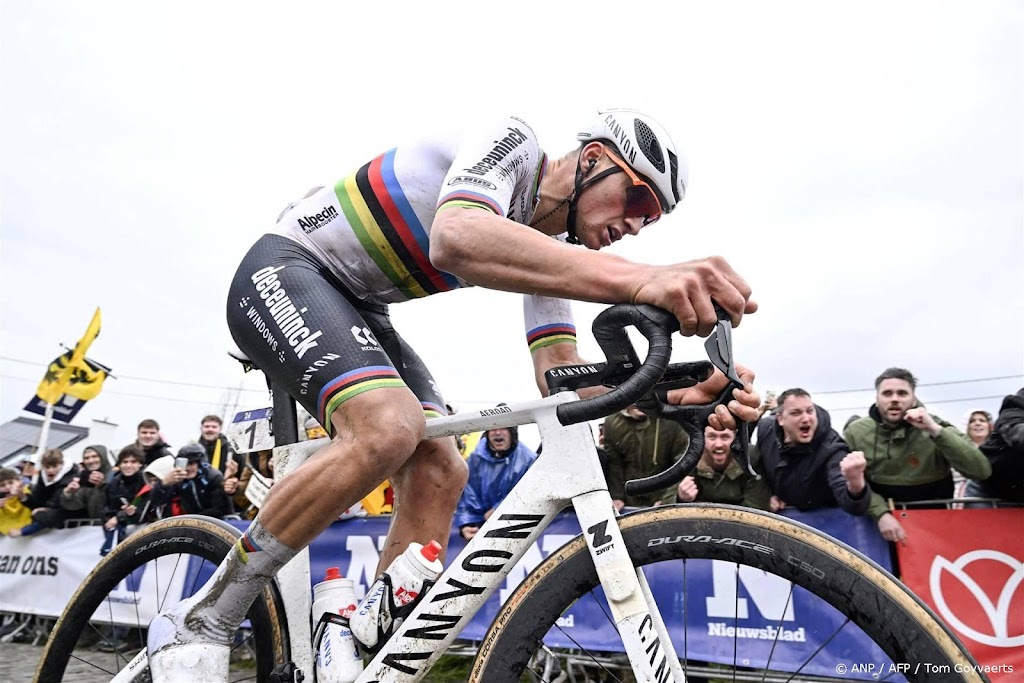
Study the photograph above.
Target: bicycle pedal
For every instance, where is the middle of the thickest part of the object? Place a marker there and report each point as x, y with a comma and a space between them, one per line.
287, 673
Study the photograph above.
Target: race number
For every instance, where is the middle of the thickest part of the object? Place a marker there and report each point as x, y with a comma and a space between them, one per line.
250, 431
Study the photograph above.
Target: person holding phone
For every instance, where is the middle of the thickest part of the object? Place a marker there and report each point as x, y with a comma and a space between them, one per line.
123, 497
197, 488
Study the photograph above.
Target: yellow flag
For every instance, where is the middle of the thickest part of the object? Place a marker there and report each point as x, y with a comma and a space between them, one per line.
71, 373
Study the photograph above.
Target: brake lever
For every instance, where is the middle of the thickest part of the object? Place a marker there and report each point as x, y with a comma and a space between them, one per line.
719, 349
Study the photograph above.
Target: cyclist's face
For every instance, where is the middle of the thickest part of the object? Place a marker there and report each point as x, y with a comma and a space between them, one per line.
148, 436
895, 397
601, 218
717, 443
798, 419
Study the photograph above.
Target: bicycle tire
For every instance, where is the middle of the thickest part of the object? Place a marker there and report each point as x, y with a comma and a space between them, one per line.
208, 538
903, 626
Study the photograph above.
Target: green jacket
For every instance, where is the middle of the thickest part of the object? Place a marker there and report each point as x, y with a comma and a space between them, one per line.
640, 448
903, 456
733, 486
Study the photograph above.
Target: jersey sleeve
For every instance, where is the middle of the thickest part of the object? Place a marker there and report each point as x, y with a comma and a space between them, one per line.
548, 321
488, 166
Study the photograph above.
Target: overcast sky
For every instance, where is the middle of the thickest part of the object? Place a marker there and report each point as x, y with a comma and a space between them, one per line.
861, 164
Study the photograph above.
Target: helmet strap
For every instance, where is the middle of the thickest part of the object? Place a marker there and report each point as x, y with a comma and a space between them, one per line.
578, 186
570, 218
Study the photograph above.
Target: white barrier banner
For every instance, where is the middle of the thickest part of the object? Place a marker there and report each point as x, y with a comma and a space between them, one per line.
39, 575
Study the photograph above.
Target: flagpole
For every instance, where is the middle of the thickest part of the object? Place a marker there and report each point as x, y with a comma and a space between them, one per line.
44, 433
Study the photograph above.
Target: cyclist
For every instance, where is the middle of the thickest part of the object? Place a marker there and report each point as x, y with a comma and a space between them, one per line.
309, 305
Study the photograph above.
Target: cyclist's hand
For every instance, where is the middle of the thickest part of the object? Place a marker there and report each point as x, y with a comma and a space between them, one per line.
744, 404
468, 532
687, 490
776, 504
891, 529
619, 504
686, 290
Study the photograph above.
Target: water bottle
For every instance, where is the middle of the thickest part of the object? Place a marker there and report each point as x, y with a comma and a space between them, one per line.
334, 601
392, 595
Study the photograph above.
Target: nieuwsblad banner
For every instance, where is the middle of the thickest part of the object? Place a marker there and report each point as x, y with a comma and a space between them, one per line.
968, 565
751, 611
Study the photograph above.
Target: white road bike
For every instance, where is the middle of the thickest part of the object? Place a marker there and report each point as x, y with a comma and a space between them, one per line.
611, 553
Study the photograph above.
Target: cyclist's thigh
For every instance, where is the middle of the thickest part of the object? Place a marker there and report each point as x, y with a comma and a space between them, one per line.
412, 369
298, 324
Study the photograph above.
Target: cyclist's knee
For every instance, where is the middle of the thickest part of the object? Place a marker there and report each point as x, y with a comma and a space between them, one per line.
436, 466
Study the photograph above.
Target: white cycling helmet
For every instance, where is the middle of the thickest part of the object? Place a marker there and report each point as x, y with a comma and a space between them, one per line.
646, 146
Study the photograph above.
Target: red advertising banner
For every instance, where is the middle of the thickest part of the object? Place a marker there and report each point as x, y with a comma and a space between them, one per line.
968, 565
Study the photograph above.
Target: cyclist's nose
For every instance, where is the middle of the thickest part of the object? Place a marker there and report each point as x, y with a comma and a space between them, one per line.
634, 225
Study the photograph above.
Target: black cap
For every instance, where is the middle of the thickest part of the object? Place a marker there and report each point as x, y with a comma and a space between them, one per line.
193, 451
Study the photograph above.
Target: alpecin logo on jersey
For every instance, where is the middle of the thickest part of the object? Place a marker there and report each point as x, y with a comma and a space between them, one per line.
283, 312
318, 220
502, 148
470, 180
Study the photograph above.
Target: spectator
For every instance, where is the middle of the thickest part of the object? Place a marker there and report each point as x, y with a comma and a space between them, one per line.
909, 452
45, 498
807, 465
159, 473
718, 478
638, 446
200, 488
1004, 449
219, 452
977, 427
13, 513
28, 471
123, 491
149, 440
497, 464
86, 495
769, 405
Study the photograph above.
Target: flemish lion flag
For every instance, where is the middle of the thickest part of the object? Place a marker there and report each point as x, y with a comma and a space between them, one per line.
72, 373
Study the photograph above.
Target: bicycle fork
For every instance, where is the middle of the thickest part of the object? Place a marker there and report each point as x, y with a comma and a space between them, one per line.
636, 615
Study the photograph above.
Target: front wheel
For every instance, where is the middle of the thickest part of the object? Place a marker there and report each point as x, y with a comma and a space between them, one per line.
747, 545
105, 622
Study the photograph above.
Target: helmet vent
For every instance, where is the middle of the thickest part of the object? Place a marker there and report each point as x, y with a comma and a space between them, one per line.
648, 143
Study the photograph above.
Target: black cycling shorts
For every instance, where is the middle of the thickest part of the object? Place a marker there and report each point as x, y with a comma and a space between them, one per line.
314, 338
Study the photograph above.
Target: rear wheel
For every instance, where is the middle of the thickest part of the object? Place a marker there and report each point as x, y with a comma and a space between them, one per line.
870, 610
104, 625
